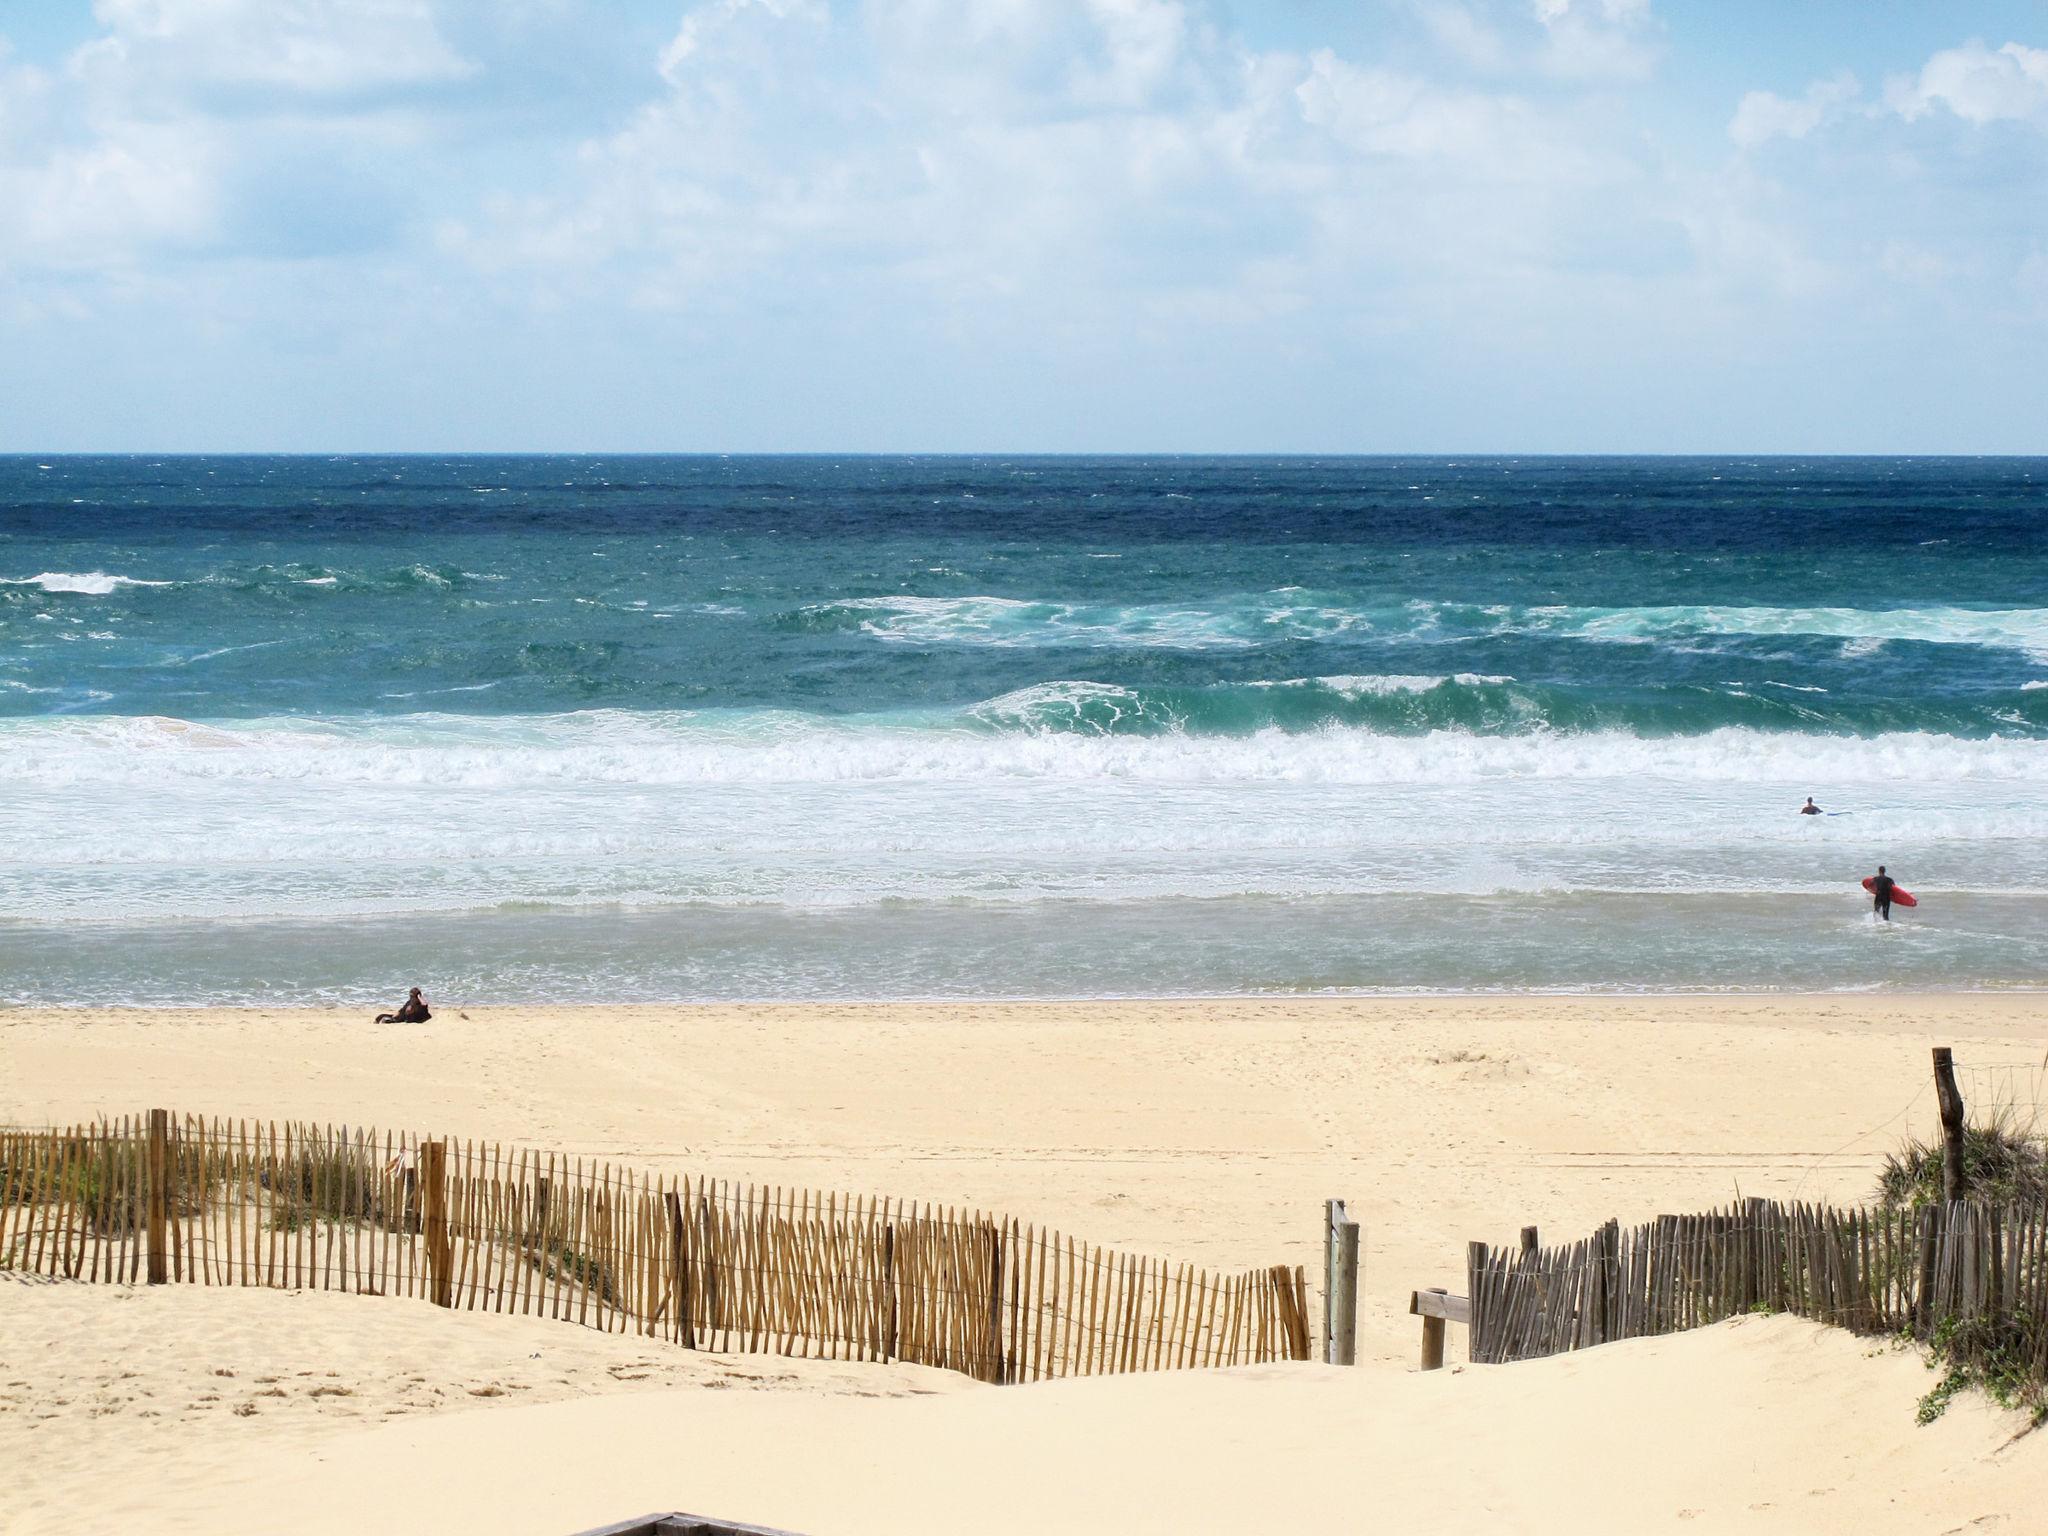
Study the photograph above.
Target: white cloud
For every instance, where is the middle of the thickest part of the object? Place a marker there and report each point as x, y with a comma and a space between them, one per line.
1762, 116
89, 189
1597, 39
713, 25
1464, 33
1906, 261
1091, 156
317, 47
1976, 83
193, 125
1577, 40
99, 205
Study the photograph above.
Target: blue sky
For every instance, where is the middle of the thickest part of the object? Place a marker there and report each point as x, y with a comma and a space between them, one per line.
1061, 225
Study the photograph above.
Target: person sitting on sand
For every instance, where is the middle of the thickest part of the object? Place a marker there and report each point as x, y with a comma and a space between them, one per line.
413, 1010
1809, 809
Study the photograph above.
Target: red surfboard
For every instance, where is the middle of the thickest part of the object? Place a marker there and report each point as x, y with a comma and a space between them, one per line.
1901, 897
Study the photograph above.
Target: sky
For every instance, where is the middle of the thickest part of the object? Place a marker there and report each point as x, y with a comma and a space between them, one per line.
1655, 226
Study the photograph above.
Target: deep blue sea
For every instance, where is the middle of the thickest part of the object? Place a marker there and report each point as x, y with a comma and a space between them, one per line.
311, 729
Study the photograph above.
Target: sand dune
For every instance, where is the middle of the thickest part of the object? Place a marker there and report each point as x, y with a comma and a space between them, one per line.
1202, 1130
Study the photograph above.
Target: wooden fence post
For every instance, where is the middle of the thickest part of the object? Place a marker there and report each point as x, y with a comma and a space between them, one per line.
159, 1195
1532, 1245
1931, 1218
1340, 1286
1951, 1101
1433, 1337
1606, 1324
1479, 1328
434, 1200
678, 1258
889, 1285
995, 1366
1303, 1349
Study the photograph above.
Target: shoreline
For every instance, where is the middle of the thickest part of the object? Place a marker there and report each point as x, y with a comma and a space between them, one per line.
381, 1002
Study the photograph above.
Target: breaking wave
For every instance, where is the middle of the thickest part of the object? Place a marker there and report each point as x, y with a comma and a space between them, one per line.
603, 747
1291, 615
88, 584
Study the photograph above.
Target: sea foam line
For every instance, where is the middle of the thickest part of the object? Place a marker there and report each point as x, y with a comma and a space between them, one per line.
1290, 614
618, 747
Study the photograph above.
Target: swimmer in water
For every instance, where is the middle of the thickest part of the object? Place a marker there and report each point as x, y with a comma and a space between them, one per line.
1809, 809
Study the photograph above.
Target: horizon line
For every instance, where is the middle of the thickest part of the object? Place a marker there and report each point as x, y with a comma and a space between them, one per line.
1009, 453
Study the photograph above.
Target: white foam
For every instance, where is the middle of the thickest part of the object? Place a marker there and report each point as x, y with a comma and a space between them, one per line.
2003, 627
776, 747
89, 584
1019, 622
1383, 684
1288, 614
1067, 704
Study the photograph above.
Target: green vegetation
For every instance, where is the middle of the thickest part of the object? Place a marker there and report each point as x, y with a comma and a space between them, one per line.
1995, 1358
2001, 1166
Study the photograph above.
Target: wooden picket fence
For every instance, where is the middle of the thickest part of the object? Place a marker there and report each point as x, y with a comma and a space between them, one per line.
704, 1263
1975, 1274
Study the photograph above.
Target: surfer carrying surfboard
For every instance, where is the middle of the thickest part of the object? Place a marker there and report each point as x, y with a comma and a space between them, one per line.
1881, 886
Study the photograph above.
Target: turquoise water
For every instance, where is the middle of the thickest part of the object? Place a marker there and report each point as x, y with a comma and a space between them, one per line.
305, 729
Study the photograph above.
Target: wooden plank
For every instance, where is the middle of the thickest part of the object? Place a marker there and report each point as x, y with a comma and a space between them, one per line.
1436, 1302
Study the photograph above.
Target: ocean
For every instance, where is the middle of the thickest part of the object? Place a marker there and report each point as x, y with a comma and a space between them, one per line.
303, 730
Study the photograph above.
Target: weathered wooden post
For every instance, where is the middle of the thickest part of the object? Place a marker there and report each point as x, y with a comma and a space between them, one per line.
1433, 1337
1340, 1286
1484, 1341
1436, 1306
1608, 1250
1530, 1274
889, 1284
1932, 1218
1770, 1269
1952, 1178
679, 1271
159, 1195
994, 1364
434, 1201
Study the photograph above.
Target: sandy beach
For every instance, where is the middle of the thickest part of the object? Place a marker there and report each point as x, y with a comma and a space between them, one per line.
1203, 1130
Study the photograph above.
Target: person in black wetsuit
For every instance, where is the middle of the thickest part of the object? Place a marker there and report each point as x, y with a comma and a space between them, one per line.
1809, 809
1881, 894
412, 1011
